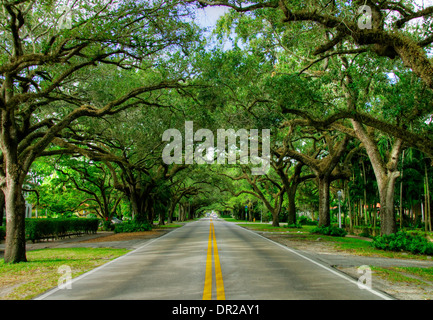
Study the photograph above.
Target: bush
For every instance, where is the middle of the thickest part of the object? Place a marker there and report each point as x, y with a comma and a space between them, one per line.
107, 225
2, 233
53, 228
304, 220
132, 226
330, 231
402, 241
293, 225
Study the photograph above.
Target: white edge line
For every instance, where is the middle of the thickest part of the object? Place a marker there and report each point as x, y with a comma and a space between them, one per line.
384, 296
54, 290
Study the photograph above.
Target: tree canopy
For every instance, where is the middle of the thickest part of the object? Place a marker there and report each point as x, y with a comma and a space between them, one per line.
89, 88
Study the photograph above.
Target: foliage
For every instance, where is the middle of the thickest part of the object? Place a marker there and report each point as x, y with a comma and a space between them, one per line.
329, 231
107, 225
132, 226
93, 144
52, 228
402, 241
2, 233
304, 220
296, 225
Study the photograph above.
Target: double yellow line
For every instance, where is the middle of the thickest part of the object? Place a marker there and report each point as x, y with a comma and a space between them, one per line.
207, 292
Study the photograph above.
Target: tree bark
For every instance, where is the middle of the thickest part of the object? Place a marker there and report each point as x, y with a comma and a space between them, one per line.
276, 218
401, 193
291, 215
15, 246
386, 194
385, 171
324, 216
170, 212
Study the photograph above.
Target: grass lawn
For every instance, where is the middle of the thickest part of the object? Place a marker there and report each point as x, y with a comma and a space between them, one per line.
353, 245
23, 281
269, 228
410, 275
168, 226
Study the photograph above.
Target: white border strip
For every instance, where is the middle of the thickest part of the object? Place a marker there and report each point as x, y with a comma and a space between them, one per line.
379, 294
47, 294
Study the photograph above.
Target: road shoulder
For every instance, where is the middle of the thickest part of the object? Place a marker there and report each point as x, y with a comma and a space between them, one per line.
348, 263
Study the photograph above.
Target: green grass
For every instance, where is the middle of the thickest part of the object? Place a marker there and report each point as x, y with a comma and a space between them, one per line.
25, 280
353, 245
168, 226
409, 275
233, 220
269, 228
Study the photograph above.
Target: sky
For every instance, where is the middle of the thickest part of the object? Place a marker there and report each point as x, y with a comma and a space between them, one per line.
208, 16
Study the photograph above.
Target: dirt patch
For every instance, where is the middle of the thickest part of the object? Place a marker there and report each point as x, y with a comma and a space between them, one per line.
126, 236
398, 290
299, 243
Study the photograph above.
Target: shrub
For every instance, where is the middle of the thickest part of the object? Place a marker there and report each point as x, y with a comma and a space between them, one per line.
53, 228
107, 225
329, 231
294, 225
2, 233
402, 241
304, 220
132, 226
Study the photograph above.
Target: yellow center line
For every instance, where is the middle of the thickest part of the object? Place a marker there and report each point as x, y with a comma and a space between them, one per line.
218, 273
207, 293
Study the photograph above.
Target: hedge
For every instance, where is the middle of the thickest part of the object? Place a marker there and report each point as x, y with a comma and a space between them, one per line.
37, 229
330, 231
132, 226
402, 241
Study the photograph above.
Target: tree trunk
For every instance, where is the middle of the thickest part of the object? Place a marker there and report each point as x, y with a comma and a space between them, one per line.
291, 216
386, 194
138, 206
276, 218
401, 192
13, 175
324, 216
161, 218
347, 192
428, 225
386, 175
181, 212
170, 212
15, 246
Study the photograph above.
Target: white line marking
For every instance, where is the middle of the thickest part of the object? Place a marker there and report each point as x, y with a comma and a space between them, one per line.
383, 296
47, 294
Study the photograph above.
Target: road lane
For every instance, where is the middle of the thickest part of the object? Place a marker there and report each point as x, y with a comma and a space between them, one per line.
212, 259
255, 268
169, 267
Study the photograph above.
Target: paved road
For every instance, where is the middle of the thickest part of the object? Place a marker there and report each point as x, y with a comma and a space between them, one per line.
213, 259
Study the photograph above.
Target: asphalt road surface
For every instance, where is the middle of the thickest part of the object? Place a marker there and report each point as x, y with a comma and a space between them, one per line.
211, 259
